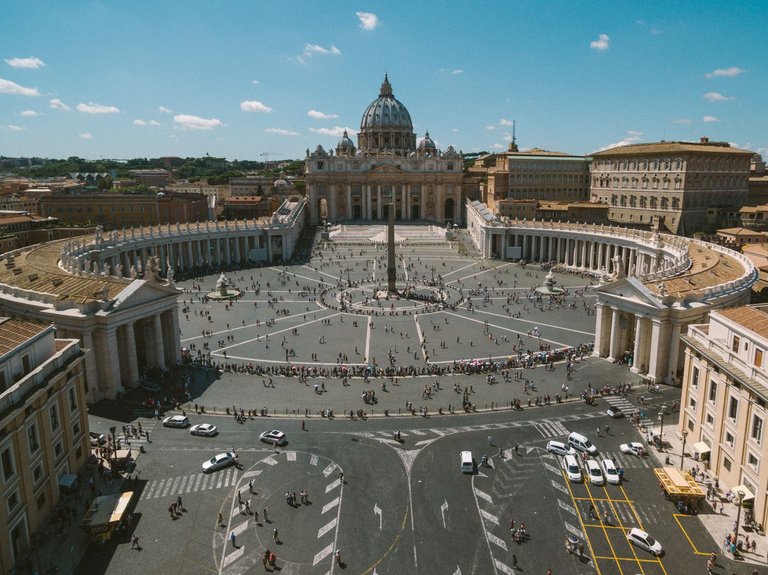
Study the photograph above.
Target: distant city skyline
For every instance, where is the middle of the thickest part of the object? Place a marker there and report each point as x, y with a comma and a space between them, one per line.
266, 81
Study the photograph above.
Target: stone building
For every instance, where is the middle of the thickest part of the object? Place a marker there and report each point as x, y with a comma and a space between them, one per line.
680, 187
357, 184
44, 438
723, 409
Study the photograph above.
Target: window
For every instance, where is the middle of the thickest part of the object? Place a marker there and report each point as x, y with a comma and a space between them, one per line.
54, 411
3, 381
727, 463
695, 378
735, 344
710, 419
733, 408
729, 438
58, 449
72, 399
41, 500
757, 428
758, 362
752, 461
34, 443
692, 403
76, 428
37, 473
26, 364
13, 501
9, 469
713, 391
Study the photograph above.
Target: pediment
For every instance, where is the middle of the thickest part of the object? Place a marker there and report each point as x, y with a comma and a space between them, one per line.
630, 289
385, 169
141, 292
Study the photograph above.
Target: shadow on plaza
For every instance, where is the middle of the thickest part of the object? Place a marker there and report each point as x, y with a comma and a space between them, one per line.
98, 556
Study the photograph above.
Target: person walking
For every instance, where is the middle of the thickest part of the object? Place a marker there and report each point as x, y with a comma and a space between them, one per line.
514, 561
255, 516
233, 539
248, 507
250, 486
274, 535
266, 517
219, 520
135, 542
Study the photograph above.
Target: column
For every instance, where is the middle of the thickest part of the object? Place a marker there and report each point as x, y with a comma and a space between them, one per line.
173, 319
559, 249
378, 202
583, 254
190, 255
238, 259
368, 202
638, 360
111, 364
600, 318
403, 205
551, 246
615, 350
674, 353
130, 352
407, 207
349, 202
159, 349
91, 368
227, 251
525, 246
657, 368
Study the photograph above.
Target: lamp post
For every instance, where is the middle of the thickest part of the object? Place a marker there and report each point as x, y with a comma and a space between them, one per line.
682, 453
740, 495
661, 430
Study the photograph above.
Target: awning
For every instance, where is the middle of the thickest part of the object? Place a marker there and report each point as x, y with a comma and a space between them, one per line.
747, 493
701, 448
67, 481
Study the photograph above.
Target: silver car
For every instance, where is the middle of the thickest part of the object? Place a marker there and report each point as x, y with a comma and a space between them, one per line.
220, 461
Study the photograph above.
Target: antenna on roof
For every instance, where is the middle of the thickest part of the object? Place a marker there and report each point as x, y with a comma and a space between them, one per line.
514, 139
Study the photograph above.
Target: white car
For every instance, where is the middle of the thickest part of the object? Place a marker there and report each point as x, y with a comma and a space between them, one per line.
204, 429
611, 473
572, 469
594, 472
220, 461
560, 448
615, 412
275, 437
644, 541
633, 448
176, 421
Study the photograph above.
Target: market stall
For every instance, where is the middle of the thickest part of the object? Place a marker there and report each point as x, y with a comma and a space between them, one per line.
680, 487
105, 515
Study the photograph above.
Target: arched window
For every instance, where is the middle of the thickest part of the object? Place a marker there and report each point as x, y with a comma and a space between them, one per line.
653, 202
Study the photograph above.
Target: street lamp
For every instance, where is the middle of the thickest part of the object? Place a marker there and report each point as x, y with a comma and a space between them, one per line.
740, 495
682, 453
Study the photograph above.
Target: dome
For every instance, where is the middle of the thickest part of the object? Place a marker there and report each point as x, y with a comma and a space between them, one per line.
386, 111
427, 144
345, 146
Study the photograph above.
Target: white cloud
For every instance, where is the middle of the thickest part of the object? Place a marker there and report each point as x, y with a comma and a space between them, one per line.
603, 42
683, 121
505, 122
164, 110
368, 20
625, 142
457, 72
725, 72
139, 123
709, 119
31, 62
281, 132
86, 136
8, 87
254, 106
190, 122
29, 114
336, 131
91, 108
507, 137
716, 97
255, 82
14, 128
154, 123
310, 49
634, 133
490, 128
499, 147
57, 104
320, 115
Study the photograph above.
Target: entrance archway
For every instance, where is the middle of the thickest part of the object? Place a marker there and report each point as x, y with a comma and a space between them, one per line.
322, 209
449, 206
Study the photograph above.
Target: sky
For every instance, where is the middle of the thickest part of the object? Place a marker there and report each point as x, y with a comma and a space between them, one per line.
265, 80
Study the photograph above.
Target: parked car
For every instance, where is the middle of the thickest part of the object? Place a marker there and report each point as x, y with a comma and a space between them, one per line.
204, 429
612, 475
275, 437
633, 448
594, 473
644, 541
560, 448
97, 439
176, 421
220, 461
572, 469
581, 443
615, 412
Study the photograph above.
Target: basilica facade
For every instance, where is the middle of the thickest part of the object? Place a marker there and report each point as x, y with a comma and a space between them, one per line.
387, 168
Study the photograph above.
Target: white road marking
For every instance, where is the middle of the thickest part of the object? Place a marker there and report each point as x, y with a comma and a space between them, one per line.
569, 508
443, 509
328, 470
254, 473
502, 567
236, 554
330, 505
313, 460
320, 555
496, 540
326, 528
368, 340
417, 432
558, 485
551, 468
332, 485
575, 530
183, 483
483, 495
290, 455
377, 511
269, 460
489, 517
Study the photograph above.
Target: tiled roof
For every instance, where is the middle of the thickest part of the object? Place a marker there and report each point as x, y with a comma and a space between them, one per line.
672, 148
753, 318
708, 268
14, 332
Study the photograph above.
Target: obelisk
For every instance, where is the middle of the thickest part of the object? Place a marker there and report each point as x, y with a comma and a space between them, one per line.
391, 269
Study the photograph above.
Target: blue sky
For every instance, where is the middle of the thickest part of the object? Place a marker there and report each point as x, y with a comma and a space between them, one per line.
253, 80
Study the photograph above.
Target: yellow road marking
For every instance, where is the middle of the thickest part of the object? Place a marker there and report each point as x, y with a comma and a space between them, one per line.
581, 522
605, 533
695, 549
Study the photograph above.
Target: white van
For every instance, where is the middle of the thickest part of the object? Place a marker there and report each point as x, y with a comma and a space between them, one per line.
580, 442
467, 463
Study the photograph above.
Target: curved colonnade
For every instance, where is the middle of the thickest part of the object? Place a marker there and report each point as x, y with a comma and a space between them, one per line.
115, 291
652, 286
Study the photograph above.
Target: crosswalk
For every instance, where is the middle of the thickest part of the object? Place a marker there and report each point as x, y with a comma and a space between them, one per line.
549, 428
173, 486
622, 403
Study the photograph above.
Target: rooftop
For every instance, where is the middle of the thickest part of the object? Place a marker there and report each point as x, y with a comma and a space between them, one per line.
753, 318
14, 332
705, 147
